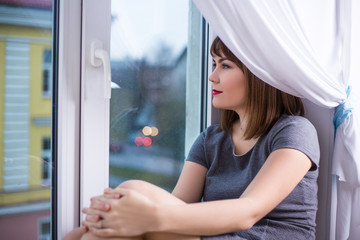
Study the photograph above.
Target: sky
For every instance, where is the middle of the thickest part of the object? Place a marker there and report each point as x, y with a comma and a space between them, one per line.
140, 25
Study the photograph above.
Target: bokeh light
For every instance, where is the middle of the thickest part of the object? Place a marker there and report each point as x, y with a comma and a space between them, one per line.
154, 131
147, 141
146, 131
139, 141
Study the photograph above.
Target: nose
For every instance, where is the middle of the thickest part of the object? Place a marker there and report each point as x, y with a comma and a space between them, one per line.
213, 76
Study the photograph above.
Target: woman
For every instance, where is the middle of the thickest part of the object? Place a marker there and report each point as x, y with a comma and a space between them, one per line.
253, 176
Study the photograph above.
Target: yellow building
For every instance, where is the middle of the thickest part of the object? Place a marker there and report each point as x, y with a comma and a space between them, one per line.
25, 110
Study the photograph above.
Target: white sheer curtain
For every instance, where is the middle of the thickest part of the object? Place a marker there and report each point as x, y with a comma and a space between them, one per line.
309, 49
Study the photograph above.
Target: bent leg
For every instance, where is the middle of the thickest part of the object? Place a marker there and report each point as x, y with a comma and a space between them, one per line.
75, 234
167, 236
80, 234
158, 195
90, 236
152, 191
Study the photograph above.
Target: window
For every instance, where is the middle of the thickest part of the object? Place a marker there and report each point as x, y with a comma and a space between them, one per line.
26, 137
155, 112
147, 112
149, 129
47, 73
25, 117
46, 161
44, 229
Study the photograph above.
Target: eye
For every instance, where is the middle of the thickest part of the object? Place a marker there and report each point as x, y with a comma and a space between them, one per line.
213, 66
225, 66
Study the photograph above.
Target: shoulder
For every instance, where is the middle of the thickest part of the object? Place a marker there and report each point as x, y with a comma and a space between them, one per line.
298, 133
210, 134
297, 122
212, 138
206, 143
292, 127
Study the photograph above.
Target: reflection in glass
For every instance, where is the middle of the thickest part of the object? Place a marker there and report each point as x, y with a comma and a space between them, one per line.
25, 119
147, 114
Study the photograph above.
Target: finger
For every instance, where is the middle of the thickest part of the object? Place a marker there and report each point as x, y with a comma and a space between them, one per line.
107, 195
108, 190
121, 191
90, 225
103, 232
106, 222
85, 229
92, 218
111, 193
97, 197
101, 205
92, 211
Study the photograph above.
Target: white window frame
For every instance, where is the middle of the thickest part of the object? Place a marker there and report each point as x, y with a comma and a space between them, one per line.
95, 107
195, 71
83, 112
68, 122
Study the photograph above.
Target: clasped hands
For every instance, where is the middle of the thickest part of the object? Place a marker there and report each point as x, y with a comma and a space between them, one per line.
120, 212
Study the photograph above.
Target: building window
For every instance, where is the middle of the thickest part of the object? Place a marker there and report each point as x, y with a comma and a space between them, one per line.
44, 229
47, 73
46, 161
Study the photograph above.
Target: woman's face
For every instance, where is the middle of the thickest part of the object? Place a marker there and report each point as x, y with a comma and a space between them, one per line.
228, 84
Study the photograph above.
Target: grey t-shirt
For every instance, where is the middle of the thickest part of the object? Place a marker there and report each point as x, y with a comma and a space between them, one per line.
228, 176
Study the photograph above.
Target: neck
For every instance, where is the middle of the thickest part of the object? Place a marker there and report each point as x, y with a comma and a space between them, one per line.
239, 126
241, 145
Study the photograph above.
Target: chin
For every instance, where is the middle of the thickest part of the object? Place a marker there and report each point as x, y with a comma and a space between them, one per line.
223, 107
216, 105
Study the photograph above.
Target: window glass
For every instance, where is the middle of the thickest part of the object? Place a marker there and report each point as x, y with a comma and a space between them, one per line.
44, 229
46, 158
148, 106
25, 118
47, 73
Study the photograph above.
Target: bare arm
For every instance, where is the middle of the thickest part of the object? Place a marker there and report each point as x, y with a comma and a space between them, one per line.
282, 171
135, 213
190, 185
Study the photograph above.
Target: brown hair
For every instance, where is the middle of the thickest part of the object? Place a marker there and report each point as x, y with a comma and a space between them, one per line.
264, 103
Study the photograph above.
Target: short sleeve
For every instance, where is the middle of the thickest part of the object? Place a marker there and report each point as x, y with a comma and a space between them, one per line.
298, 133
197, 151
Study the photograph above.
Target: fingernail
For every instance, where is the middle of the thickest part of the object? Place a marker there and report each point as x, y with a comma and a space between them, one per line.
106, 206
117, 195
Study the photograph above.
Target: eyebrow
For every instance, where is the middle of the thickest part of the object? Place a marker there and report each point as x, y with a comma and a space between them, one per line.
221, 59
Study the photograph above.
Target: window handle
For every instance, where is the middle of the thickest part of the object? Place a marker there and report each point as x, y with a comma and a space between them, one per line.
100, 56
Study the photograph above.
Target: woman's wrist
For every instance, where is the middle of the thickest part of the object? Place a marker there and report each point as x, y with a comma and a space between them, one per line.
160, 218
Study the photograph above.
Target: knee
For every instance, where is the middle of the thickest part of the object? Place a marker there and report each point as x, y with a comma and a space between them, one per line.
133, 184
152, 191
138, 185
89, 236
75, 234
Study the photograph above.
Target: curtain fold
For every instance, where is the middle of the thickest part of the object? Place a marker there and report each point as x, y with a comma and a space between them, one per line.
271, 41
304, 48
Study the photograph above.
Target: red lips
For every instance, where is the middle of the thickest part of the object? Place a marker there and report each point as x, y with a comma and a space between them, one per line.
216, 92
